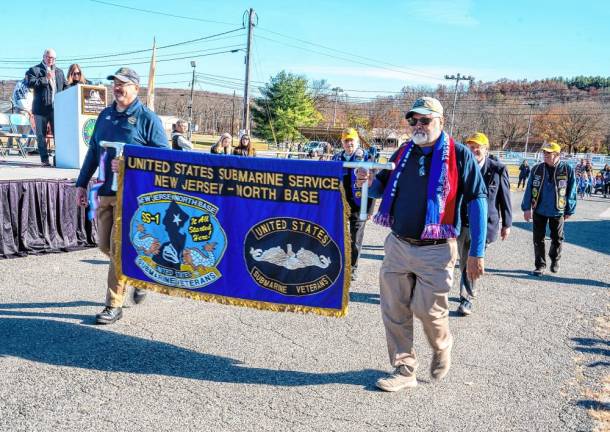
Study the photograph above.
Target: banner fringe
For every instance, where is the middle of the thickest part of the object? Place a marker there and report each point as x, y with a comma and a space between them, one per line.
232, 301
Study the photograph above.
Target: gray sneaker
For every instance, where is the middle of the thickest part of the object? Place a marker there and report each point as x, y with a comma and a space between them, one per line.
465, 307
396, 381
441, 363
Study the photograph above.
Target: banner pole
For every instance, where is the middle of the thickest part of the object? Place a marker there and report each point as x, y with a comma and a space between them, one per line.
367, 166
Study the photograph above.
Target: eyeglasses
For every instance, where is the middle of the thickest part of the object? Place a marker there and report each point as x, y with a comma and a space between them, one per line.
424, 121
121, 84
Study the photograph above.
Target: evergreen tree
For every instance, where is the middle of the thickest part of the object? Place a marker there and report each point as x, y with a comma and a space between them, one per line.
285, 105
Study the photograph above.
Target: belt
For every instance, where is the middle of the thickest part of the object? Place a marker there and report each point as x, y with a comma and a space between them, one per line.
416, 242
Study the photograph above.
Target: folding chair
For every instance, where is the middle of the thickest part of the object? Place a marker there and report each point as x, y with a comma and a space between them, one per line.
6, 131
22, 127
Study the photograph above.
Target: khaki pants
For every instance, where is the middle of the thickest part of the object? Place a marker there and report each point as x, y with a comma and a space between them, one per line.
416, 280
115, 293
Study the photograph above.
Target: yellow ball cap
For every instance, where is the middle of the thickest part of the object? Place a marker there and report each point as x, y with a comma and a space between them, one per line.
478, 138
551, 147
349, 133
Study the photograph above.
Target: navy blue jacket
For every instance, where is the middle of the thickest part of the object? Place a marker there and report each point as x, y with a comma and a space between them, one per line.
496, 178
36, 78
137, 125
359, 155
547, 201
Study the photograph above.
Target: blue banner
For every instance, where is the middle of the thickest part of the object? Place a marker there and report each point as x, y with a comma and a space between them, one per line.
264, 233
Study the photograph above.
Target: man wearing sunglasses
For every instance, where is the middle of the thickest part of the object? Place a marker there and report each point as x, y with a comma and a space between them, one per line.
46, 80
128, 121
421, 199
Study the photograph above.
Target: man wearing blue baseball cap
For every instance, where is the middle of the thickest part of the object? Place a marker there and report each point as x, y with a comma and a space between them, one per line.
128, 121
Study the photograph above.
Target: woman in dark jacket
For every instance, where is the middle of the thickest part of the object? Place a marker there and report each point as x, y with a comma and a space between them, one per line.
245, 147
76, 76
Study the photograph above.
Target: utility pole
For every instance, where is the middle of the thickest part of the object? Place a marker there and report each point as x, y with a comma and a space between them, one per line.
246, 114
529, 125
190, 133
336, 90
457, 79
233, 120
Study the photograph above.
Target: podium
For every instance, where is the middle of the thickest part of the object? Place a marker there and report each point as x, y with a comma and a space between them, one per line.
76, 110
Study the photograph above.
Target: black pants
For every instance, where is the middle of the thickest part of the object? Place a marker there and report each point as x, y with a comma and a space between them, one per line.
356, 232
522, 180
41, 134
556, 228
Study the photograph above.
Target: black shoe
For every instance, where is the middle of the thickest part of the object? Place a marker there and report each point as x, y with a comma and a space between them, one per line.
539, 271
354, 273
46, 164
109, 315
465, 307
139, 295
555, 266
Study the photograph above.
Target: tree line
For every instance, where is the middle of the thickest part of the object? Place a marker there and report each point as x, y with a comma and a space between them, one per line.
573, 111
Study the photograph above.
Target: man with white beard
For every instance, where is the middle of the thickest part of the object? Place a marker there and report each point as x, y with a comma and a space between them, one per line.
420, 203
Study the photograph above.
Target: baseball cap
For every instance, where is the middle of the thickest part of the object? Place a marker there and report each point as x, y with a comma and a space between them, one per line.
551, 147
478, 138
125, 74
426, 105
349, 133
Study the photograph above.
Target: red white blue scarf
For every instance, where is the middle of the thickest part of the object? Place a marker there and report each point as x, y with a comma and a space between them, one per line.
442, 190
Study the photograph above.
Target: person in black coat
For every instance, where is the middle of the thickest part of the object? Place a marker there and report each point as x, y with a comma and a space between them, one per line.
499, 209
46, 80
524, 173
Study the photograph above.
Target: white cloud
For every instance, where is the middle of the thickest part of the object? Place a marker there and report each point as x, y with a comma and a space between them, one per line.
450, 12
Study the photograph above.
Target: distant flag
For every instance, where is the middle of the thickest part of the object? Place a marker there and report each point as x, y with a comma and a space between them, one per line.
150, 91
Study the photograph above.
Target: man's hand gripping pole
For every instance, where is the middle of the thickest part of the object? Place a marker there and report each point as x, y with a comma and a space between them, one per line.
367, 166
118, 147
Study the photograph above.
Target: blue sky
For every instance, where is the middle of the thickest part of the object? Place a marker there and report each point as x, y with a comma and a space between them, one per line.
375, 46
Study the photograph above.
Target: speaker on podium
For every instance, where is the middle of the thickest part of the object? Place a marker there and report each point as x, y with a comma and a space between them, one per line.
76, 110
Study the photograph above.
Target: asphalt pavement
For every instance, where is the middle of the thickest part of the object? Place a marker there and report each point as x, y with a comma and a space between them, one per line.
532, 357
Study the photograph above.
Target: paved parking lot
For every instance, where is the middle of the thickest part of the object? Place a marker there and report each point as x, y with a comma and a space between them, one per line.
533, 356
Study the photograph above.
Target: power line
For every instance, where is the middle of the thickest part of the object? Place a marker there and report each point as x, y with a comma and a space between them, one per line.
168, 56
162, 60
413, 71
149, 11
120, 54
346, 59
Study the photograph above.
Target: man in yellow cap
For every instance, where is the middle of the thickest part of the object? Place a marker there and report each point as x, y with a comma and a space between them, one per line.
496, 178
352, 152
550, 198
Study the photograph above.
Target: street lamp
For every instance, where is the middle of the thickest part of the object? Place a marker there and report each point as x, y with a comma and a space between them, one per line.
190, 132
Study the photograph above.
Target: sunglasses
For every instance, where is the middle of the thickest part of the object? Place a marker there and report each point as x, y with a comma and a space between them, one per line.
75, 73
424, 121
